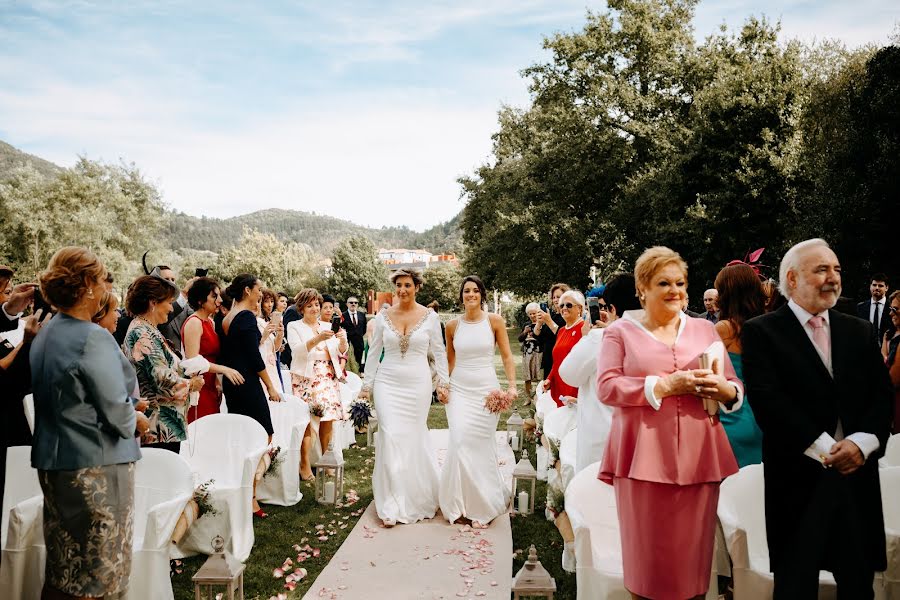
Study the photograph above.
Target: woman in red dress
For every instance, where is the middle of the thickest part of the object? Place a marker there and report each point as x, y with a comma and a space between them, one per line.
571, 307
198, 335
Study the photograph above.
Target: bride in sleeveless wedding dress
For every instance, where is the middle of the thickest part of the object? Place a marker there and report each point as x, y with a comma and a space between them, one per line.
471, 484
405, 478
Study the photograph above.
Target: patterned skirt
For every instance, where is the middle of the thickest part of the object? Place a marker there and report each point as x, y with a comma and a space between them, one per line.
88, 529
531, 366
321, 392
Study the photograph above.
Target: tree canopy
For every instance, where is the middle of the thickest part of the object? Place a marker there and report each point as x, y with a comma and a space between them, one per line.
636, 135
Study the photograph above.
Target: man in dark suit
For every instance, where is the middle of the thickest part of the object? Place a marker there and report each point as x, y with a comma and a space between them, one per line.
875, 309
822, 397
355, 324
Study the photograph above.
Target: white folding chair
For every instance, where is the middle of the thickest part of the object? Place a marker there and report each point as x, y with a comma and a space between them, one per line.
163, 485
226, 448
887, 584
742, 515
568, 450
891, 456
289, 420
21, 483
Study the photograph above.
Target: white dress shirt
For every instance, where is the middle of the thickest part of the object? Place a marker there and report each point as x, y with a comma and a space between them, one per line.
867, 442
873, 306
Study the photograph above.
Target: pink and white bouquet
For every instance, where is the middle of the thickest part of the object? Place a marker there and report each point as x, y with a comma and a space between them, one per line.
498, 401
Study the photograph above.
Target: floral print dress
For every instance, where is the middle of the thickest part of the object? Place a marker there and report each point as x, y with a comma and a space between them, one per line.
161, 382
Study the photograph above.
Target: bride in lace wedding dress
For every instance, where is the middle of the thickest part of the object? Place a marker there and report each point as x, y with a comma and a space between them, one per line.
405, 478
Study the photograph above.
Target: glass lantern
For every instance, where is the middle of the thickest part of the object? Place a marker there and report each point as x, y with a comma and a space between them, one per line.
515, 429
220, 574
371, 430
524, 480
533, 580
330, 478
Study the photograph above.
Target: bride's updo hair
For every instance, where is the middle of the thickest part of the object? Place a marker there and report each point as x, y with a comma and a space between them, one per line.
70, 273
413, 274
477, 281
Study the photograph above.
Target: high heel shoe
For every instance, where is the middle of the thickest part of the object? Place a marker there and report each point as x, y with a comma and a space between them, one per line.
310, 477
259, 513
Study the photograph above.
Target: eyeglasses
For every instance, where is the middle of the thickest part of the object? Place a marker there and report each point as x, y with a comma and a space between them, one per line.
353, 303
567, 305
603, 306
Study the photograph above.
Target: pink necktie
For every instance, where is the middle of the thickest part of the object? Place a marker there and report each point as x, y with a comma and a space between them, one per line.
820, 335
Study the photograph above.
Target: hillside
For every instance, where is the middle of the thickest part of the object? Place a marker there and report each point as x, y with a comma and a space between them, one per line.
320, 232
11, 158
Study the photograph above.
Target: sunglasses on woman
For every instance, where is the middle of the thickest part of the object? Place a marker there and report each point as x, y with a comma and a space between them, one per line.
567, 305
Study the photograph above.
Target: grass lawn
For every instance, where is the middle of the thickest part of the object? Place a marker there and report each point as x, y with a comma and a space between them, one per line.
288, 525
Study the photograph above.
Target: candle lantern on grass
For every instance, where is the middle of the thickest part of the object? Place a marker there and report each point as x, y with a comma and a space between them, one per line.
533, 580
523, 481
515, 429
330, 477
371, 430
220, 574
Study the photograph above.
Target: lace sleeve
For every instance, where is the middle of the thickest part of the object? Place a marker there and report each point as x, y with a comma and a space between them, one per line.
438, 350
373, 360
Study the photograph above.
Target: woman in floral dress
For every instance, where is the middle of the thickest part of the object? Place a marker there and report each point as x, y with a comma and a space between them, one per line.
160, 379
316, 352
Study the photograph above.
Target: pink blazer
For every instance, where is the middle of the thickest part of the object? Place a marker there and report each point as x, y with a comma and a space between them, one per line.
676, 444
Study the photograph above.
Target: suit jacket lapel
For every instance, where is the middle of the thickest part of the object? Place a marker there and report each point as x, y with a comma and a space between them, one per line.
800, 340
839, 347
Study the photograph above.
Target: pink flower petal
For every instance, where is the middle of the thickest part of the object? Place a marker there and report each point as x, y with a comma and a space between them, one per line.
278, 573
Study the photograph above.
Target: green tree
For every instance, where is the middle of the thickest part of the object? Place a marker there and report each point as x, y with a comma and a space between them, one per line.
281, 266
355, 269
111, 209
441, 284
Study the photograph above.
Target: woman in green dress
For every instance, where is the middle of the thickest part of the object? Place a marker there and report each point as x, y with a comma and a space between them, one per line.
741, 297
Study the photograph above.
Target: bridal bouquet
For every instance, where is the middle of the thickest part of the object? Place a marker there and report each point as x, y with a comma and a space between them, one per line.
498, 401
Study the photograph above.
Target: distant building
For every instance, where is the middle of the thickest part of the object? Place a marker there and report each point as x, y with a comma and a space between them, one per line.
401, 258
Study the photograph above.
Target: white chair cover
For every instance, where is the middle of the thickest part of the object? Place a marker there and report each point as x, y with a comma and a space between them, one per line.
568, 449
289, 420
544, 403
558, 423
891, 456
542, 460
591, 506
163, 485
887, 584
24, 555
226, 448
21, 483
29, 411
742, 515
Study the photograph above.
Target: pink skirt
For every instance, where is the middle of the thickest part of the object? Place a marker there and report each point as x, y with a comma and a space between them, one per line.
667, 532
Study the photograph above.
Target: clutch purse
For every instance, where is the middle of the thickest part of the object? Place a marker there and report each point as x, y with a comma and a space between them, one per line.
713, 358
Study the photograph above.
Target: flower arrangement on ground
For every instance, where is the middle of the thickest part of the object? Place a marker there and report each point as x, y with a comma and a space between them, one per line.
276, 458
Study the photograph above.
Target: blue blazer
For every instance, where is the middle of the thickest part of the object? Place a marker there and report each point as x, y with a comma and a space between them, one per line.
82, 385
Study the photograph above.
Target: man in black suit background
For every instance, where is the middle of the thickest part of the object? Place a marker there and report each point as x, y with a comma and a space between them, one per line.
875, 309
355, 324
822, 397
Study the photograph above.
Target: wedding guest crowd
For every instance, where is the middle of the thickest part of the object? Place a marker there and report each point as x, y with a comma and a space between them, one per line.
660, 397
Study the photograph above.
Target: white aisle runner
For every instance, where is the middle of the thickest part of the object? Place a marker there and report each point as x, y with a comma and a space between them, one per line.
427, 560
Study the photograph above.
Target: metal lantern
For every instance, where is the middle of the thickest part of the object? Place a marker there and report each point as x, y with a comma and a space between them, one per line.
515, 429
533, 580
221, 570
370, 431
524, 476
330, 478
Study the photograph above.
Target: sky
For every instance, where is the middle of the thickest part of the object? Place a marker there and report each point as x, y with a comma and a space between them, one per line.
364, 110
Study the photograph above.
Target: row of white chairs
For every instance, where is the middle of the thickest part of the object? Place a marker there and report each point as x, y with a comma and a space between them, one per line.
224, 448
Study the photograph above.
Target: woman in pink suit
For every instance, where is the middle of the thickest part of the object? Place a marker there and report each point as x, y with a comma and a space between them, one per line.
665, 456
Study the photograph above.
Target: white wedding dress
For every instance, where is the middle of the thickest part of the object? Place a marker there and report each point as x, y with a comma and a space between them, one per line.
471, 483
405, 478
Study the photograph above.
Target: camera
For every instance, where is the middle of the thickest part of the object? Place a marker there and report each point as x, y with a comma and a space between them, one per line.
594, 308
39, 303
335, 323
198, 272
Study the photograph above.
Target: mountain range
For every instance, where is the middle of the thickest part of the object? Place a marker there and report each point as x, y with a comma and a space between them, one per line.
321, 232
